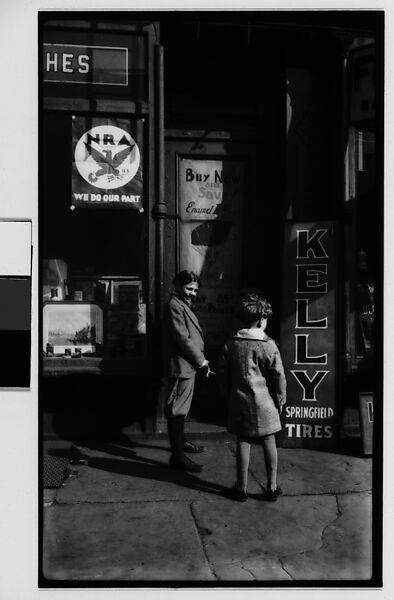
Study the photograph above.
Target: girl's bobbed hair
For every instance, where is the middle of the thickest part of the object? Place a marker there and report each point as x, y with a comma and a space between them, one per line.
252, 306
185, 277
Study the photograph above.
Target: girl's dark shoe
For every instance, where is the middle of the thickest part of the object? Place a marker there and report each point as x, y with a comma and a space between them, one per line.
273, 495
235, 494
185, 464
191, 448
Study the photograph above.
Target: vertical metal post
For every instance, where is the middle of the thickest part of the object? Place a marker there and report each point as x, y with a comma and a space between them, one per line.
159, 214
160, 207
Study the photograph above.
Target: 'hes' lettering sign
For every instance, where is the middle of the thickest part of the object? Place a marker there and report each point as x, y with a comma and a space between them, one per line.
84, 64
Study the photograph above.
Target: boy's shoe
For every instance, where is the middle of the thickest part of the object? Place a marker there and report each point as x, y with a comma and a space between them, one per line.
185, 464
191, 448
235, 494
273, 495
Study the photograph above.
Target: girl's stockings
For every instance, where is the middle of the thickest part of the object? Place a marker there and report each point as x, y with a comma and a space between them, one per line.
243, 455
271, 460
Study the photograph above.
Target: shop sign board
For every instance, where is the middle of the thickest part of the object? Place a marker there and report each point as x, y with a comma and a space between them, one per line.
107, 163
87, 64
308, 334
210, 198
108, 64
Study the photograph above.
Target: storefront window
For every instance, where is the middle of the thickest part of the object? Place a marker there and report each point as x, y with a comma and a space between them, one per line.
366, 243
93, 238
361, 237
362, 246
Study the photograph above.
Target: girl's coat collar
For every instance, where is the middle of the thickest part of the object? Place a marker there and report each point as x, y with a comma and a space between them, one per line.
251, 334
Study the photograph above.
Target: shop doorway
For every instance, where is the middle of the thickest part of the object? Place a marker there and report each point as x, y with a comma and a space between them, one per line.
217, 200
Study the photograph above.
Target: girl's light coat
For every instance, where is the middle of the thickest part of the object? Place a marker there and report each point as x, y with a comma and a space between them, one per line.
251, 376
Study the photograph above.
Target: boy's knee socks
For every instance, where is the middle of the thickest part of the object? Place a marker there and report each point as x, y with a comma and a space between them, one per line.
176, 427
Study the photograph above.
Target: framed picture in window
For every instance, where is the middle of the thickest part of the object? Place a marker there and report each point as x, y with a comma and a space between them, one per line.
72, 328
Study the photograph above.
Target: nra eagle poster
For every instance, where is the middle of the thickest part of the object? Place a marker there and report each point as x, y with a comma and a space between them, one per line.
107, 163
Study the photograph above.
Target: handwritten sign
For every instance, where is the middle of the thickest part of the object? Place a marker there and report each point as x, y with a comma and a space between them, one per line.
210, 206
210, 189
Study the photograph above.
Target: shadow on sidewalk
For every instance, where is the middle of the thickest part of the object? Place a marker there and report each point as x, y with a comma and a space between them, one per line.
135, 465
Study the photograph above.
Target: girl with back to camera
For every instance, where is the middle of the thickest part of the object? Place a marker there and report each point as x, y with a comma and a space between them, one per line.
249, 366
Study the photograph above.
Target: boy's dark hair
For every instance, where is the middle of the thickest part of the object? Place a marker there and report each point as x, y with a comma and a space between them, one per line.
185, 277
252, 306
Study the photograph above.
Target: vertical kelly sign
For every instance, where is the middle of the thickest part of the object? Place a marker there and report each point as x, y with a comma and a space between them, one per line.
308, 334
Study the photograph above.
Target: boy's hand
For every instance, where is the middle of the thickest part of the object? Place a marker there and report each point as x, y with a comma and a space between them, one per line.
281, 403
209, 372
206, 364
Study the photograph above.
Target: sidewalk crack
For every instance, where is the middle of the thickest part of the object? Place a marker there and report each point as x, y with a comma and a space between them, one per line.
202, 532
338, 515
280, 561
259, 483
339, 511
247, 570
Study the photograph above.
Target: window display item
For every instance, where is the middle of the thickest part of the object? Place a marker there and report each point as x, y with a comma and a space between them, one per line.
93, 288
72, 326
56, 294
54, 277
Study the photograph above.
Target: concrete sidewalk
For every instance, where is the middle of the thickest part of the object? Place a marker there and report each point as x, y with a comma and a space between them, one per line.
126, 516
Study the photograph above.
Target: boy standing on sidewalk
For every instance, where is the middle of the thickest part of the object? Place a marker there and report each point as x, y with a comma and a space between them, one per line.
184, 356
